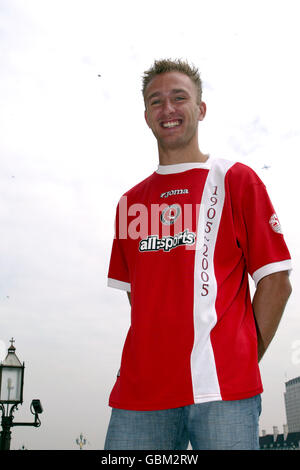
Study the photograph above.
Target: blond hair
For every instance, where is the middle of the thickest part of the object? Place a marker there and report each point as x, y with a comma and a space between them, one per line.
176, 65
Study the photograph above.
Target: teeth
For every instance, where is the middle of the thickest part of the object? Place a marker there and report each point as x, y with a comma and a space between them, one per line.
171, 124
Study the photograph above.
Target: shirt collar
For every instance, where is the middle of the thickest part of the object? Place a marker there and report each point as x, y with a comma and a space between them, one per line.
180, 167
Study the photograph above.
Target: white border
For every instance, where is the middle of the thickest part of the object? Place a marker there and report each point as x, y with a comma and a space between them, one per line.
271, 268
118, 284
203, 367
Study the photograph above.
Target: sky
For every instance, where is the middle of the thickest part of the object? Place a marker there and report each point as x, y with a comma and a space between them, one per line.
73, 139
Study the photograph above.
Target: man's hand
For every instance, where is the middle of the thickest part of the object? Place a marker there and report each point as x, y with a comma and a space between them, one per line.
269, 302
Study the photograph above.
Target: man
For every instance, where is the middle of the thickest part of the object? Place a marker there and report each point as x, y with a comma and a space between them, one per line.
189, 370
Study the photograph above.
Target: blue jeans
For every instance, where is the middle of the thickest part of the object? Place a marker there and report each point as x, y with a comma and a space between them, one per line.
215, 425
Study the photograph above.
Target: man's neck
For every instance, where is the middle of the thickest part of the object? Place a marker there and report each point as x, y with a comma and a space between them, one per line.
179, 155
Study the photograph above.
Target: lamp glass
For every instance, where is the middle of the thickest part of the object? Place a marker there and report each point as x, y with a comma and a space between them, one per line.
11, 384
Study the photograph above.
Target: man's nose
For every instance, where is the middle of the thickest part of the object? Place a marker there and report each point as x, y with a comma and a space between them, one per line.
168, 107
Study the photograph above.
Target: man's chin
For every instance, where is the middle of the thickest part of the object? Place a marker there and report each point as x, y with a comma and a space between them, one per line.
172, 143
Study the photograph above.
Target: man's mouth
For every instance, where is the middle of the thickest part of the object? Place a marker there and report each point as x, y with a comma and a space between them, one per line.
170, 124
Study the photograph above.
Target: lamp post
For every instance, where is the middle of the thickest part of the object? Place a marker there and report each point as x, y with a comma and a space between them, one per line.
11, 395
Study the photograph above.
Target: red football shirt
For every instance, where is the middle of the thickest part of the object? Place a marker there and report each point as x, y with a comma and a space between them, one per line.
186, 238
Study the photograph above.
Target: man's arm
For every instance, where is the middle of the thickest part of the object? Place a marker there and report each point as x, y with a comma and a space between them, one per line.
269, 302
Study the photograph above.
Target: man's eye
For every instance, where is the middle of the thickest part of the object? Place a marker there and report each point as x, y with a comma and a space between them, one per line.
179, 98
155, 102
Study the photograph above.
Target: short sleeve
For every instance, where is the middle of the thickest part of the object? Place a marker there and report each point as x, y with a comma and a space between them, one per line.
260, 234
118, 272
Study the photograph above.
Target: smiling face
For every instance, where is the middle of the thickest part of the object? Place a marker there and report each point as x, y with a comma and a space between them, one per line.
172, 111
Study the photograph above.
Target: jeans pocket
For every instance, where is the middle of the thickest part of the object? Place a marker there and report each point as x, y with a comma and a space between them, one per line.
258, 399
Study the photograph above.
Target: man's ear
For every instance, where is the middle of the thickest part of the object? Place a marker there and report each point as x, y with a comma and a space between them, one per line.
202, 111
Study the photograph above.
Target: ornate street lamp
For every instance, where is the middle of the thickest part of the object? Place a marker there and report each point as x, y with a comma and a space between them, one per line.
11, 395
11, 378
